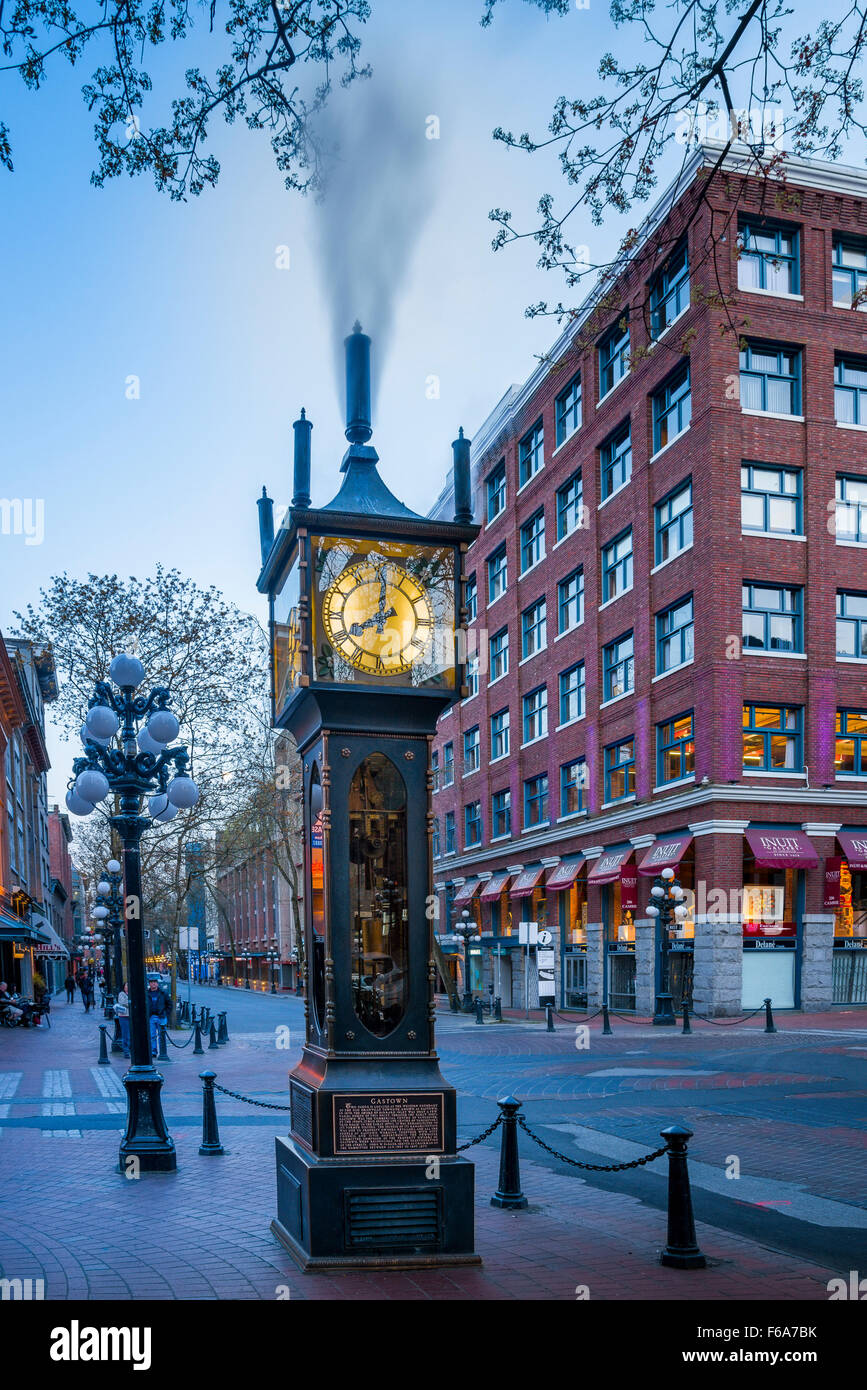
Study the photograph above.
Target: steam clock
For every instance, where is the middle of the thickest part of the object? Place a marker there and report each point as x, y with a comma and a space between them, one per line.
366, 606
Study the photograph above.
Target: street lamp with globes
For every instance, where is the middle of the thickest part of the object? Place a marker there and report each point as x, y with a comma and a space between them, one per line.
467, 929
126, 756
667, 905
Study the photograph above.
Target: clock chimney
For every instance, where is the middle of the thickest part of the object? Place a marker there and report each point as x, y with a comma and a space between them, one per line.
461, 477
358, 426
266, 524
301, 481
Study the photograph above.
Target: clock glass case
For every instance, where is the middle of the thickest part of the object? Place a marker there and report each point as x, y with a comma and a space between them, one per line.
286, 636
383, 612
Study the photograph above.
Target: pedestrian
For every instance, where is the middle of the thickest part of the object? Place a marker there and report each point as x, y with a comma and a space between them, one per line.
8, 1001
85, 984
69, 983
157, 1012
121, 1013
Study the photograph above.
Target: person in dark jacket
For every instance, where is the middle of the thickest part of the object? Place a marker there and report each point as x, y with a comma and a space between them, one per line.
85, 984
157, 1013
69, 983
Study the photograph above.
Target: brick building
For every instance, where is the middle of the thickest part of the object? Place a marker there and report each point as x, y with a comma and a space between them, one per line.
668, 601
255, 924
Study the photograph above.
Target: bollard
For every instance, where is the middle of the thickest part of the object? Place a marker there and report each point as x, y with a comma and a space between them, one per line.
770, 1026
480, 1014
198, 1050
509, 1193
223, 1030
686, 1025
453, 1003
498, 1009
184, 1011
117, 1040
681, 1250
212, 1038
162, 1055
549, 1018
607, 1031
103, 1049
210, 1133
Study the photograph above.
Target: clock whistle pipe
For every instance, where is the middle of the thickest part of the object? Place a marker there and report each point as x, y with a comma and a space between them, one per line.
301, 476
358, 426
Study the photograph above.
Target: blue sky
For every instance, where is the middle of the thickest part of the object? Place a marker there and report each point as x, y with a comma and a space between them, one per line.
103, 284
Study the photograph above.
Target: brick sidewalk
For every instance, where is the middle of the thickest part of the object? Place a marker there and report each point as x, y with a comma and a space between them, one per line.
203, 1232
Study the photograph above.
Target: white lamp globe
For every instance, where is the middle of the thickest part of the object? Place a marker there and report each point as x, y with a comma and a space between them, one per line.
163, 727
103, 888
667, 873
99, 914
680, 913
161, 808
126, 671
678, 893
77, 804
87, 736
147, 744
92, 785
102, 721
183, 792
113, 866
652, 911
657, 892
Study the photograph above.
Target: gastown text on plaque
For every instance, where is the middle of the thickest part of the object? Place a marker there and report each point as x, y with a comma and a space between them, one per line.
410, 1122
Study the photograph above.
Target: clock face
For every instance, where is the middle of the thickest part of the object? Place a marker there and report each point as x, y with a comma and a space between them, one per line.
378, 617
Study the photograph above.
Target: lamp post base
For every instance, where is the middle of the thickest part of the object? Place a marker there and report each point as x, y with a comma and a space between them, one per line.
664, 1016
147, 1140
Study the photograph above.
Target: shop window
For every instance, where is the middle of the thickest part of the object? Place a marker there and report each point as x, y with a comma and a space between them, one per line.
850, 745
675, 745
772, 738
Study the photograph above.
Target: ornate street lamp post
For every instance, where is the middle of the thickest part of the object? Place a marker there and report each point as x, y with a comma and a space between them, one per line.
135, 767
273, 959
109, 913
667, 905
467, 929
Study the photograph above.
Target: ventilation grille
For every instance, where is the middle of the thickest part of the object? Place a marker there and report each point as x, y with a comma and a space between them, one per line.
399, 1219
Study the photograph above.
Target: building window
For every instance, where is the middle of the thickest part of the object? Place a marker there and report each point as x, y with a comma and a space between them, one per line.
771, 499
567, 410
536, 714
770, 379
615, 460
675, 749
849, 272
674, 636
850, 757
570, 601
617, 566
572, 781
499, 649
672, 408
572, 693
620, 770
618, 667
614, 356
471, 672
536, 800
534, 628
850, 522
533, 540
473, 824
531, 453
495, 490
448, 764
673, 523
435, 837
852, 625
450, 832
850, 391
669, 292
772, 738
435, 769
772, 618
472, 750
498, 574
472, 599
499, 734
569, 506
501, 813
767, 258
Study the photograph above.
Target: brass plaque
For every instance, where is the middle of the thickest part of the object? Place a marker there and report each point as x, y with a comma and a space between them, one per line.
389, 1122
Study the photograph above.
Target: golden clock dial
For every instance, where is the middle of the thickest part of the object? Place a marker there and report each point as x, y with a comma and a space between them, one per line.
378, 617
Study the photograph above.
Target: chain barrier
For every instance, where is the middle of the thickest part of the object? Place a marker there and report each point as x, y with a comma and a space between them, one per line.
263, 1104
485, 1134
179, 1046
589, 1167
726, 1023
625, 1018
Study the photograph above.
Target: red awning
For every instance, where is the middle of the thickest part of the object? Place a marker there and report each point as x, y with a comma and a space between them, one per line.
526, 882
664, 854
564, 875
782, 849
467, 891
494, 887
853, 843
608, 865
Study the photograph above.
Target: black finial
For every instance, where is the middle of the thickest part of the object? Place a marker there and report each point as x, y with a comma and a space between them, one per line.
462, 481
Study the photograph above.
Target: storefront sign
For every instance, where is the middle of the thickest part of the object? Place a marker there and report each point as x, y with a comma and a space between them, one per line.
545, 966
466, 892
665, 854
854, 846
782, 849
765, 944
847, 943
774, 928
607, 867
629, 888
494, 887
832, 882
563, 876
526, 882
